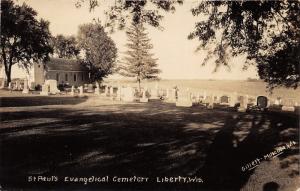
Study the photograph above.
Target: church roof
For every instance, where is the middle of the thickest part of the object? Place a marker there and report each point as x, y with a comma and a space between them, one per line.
62, 64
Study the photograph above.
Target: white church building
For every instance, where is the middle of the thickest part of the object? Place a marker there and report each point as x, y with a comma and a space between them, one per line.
64, 71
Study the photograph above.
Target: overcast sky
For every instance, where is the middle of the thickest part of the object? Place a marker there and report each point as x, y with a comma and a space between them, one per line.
176, 54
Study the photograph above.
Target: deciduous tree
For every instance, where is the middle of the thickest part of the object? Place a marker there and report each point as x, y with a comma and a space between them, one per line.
99, 49
121, 12
65, 46
268, 32
24, 39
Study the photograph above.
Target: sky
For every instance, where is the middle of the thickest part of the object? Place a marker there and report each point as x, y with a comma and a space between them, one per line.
176, 54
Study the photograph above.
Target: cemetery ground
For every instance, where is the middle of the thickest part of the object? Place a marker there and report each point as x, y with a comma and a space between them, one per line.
67, 136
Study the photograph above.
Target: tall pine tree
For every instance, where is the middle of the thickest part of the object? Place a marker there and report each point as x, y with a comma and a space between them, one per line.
138, 61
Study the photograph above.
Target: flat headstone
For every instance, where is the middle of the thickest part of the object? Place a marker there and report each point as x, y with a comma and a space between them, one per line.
288, 108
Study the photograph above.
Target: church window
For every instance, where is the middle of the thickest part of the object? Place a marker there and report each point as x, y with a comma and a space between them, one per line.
75, 77
66, 77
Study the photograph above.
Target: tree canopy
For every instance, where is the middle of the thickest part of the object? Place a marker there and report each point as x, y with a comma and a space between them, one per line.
99, 49
139, 61
65, 46
120, 12
24, 39
268, 32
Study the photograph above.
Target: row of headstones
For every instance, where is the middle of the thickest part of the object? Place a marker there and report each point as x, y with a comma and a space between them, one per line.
188, 99
17, 85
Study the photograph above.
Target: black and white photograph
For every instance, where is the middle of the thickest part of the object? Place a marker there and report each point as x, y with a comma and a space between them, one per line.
150, 95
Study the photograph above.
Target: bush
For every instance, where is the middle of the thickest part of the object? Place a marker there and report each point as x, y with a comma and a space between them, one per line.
38, 87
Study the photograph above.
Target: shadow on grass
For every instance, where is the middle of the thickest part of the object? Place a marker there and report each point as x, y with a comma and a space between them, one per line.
39, 101
150, 140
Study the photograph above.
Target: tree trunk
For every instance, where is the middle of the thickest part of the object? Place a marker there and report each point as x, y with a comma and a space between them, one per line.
8, 74
139, 81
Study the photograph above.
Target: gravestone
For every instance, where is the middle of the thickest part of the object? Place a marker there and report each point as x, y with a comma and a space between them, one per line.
97, 90
80, 91
90, 88
127, 94
85, 87
52, 86
262, 102
144, 99
184, 99
243, 104
224, 100
72, 91
45, 90
9, 86
106, 90
119, 98
278, 101
288, 105
210, 101
25, 89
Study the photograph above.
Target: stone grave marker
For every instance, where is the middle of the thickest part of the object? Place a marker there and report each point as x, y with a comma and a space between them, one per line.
288, 105
80, 91
144, 98
26, 88
210, 101
111, 91
262, 102
278, 101
106, 90
119, 98
72, 91
9, 86
243, 103
90, 88
52, 86
45, 90
224, 100
97, 90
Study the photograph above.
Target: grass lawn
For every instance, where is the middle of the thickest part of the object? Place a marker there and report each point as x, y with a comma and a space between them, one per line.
81, 137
